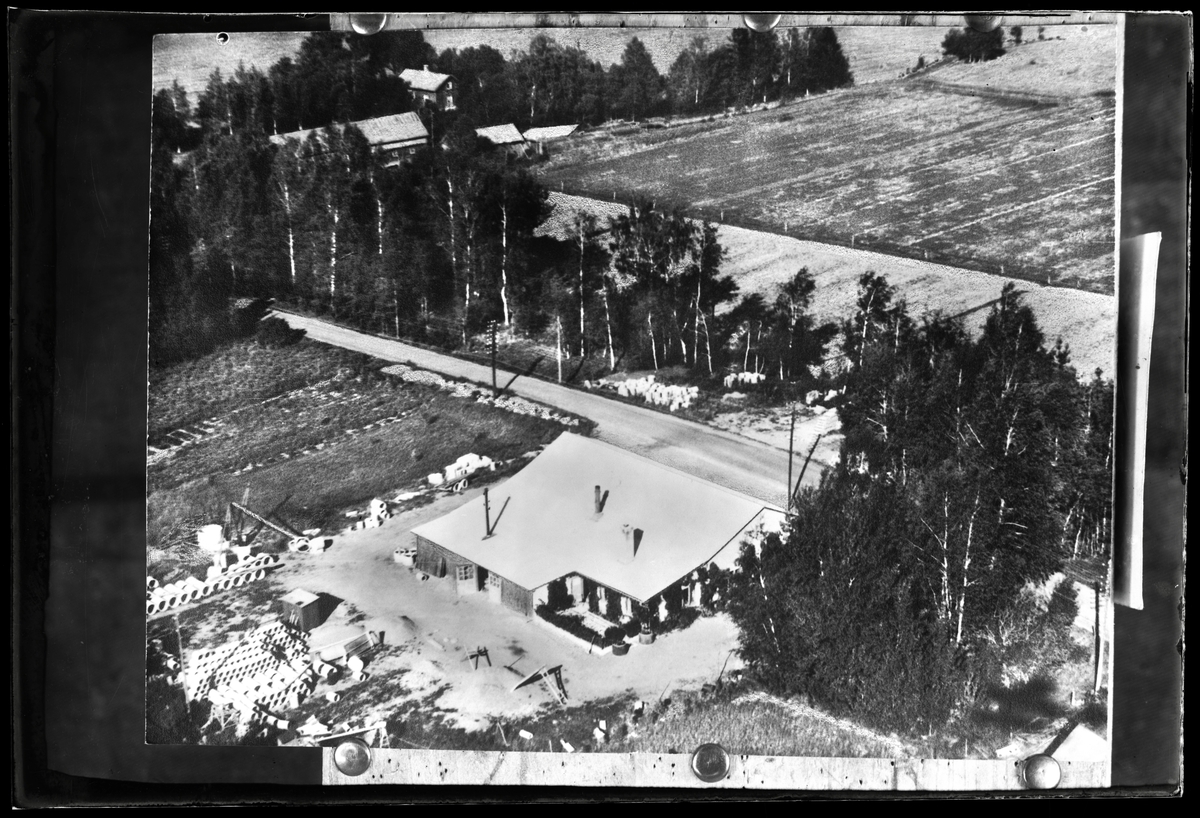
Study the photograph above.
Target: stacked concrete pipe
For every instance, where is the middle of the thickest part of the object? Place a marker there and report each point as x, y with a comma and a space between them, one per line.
160, 598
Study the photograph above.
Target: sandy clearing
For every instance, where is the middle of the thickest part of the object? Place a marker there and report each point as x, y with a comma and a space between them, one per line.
359, 569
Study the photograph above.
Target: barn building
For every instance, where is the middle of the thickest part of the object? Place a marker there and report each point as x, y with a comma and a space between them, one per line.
395, 137
539, 137
595, 516
503, 137
429, 88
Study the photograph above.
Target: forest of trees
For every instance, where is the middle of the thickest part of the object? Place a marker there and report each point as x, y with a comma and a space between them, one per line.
970, 467
435, 248
970, 45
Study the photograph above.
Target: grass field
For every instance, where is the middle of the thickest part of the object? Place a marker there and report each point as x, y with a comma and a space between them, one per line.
1074, 61
761, 262
328, 446
901, 167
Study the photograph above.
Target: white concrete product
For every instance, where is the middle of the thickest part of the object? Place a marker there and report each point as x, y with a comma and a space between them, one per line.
299, 545
207, 590
355, 664
259, 574
239, 580
151, 583
333, 697
209, 538
151, 607
214, 571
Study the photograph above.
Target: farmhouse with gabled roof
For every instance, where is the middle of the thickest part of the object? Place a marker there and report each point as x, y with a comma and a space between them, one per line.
430, 88
395, 136
593, 514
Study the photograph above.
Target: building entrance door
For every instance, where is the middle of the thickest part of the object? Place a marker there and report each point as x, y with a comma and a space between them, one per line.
495, 586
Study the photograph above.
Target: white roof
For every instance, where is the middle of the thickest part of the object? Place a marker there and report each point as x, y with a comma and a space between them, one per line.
552, 132
419, 80
501, 134
300, 597
397, 130
549, 527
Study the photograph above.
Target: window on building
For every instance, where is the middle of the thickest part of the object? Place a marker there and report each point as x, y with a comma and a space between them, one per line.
493, 581
465, 572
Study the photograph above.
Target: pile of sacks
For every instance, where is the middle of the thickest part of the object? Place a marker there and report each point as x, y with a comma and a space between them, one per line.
744, 378
659, 394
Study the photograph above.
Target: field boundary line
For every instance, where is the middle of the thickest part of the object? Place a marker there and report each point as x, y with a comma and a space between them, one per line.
1021, 206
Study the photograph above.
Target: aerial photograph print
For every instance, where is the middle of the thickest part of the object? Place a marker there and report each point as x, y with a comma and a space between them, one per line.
618, 390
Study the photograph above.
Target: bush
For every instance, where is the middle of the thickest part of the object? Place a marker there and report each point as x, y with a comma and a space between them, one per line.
612, 606
574, 626
1063, 606
557, 596
275, 332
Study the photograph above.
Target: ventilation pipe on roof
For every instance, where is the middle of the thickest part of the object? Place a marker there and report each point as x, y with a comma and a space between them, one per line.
637, 540
425, 68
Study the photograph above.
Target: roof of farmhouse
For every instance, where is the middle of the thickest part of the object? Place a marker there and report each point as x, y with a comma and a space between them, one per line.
548, 133
382, 131
545, 525
423, 80
501, 134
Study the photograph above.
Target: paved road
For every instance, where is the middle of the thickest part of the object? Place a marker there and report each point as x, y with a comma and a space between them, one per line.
722, 457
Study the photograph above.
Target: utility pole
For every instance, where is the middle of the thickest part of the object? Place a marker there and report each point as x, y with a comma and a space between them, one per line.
558, 345
492, 327
791, 440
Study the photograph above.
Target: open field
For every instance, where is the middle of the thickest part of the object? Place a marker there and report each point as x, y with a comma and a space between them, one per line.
1074, 61
328, 446
1001, 185
760, 262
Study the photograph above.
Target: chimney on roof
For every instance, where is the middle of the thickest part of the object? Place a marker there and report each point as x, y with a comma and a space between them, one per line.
637, 540
425, 68
600, 500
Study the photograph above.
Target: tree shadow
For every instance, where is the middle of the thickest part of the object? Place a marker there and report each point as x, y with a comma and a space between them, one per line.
1030, 705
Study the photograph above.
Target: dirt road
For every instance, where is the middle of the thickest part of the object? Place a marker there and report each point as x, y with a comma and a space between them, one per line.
721, 457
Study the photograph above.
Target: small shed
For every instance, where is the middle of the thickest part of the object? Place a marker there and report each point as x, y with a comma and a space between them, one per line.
301, 609
504, 137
